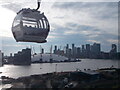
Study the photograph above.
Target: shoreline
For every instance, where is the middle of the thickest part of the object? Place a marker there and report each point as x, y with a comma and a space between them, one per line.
67, 79
37, 62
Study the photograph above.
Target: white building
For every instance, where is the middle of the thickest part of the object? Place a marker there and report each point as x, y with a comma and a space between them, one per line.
47, 57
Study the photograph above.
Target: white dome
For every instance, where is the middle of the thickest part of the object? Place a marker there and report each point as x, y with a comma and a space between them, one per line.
46, 57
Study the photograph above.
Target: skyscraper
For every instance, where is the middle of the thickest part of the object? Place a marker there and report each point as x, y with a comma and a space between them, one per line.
88, 47
67, 46
113, 51
73, 50
87, 50
83, 48
1, 58
96, 50
55, 50
67, 50
78, 52
83, 51
114, 48
42, 51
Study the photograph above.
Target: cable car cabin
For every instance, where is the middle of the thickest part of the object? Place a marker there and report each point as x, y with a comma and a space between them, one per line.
30, 26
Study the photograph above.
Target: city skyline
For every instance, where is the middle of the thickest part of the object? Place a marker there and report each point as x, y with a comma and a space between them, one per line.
69, 52
52, 48
71, 22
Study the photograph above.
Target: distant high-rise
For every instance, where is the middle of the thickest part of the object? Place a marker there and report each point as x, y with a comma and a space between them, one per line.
69, 53
67, 50
42, 51
78, 52
87, 50
114, 48
113, 51
73, 45
67, 46
10, 54
95, 50
83, 48
55, 50
73, 50
88, 47
83, 51
1, 58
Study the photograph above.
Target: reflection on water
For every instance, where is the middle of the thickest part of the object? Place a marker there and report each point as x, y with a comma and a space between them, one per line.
4, 86
18, 71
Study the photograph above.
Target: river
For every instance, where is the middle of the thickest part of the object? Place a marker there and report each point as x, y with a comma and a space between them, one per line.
19, 71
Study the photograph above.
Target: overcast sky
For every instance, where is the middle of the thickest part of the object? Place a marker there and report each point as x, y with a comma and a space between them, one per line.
71, 22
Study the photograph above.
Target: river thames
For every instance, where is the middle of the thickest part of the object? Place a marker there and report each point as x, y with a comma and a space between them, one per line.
93, 64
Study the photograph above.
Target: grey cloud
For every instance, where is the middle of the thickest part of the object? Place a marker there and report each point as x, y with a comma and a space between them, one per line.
94, 31
101, 10
65, 5
104, 37
12, 6
16, 5
83, 5
83, 27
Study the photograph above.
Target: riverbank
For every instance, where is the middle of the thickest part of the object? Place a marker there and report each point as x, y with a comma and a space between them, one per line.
65, 61
101, 78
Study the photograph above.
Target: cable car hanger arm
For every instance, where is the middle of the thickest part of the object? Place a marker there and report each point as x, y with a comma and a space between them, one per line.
39, 1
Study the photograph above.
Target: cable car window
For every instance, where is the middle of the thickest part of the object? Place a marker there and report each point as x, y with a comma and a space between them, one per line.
41, 24
29, 19
16, 23
28, 23
44, 23
38, 24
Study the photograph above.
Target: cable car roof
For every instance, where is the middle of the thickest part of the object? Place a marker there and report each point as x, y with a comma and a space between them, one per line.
31, 13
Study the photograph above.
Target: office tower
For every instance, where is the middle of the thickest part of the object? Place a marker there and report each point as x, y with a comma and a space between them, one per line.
73, 46
55, 50
69, 54
42, 51
83, 51
113, 51
95, 50
88, 47
10, 54
114, 48
1, 58
67, 46
67, 50
78, 52
83, 48
87, 50
73, 50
